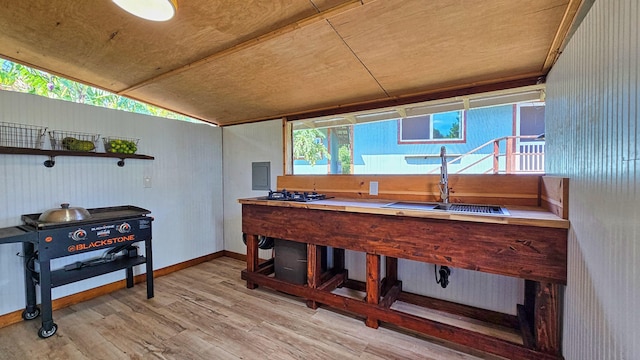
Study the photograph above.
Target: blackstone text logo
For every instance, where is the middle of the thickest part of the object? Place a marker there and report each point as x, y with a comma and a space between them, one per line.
103, 231
101, 243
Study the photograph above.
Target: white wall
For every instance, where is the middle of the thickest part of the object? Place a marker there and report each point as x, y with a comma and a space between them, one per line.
185, 197
243, 145
592, 137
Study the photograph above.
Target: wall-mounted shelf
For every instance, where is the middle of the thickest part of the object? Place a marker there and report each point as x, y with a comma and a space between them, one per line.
53, 153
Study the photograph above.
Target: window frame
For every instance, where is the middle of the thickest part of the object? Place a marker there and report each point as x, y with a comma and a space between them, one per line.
462, 139
517, 126
430, 105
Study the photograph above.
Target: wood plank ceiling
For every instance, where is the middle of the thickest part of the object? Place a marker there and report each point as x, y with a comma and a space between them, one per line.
230, 62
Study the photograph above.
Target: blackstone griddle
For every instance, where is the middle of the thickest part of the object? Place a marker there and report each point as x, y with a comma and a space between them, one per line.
113, 229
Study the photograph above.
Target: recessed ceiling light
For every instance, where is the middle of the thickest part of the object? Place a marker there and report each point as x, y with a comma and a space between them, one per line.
155, 10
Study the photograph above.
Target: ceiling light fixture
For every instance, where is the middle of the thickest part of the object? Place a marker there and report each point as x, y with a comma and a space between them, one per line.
155, 10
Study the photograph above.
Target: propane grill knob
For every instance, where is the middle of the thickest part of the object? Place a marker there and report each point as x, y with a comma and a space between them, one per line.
124, 228
79, 235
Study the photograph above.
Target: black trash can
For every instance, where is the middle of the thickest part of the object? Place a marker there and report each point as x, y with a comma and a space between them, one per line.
290, 261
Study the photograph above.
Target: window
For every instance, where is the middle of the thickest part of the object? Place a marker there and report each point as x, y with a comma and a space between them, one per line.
407, 139
20, 78
530, 120
529, 145
440, 127
417, 128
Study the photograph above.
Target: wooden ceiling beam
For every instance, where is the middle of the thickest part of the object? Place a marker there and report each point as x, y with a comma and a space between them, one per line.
469, 89
351, 4
560, 38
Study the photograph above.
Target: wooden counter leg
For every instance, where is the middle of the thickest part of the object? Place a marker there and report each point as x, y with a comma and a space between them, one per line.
530, 299
314, 270
373, 286
252, 258
391, 274
546, 322
338, 259
391, 268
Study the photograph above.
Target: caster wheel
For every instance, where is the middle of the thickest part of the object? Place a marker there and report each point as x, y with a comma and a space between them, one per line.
45, 334
31, 315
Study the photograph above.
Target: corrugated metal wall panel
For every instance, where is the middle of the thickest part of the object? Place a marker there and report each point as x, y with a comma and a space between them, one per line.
185, 197
592, 138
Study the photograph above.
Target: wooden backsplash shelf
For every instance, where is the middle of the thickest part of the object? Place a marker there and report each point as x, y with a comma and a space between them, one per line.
548, 192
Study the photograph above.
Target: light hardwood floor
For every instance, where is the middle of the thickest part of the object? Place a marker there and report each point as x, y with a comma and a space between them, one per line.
206, 312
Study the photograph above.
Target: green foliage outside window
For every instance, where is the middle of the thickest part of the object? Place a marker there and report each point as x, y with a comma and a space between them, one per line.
308, 145
20, 78
454, 132
344, 153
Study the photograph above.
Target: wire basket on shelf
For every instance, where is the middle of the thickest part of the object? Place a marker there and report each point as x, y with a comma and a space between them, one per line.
120, 145
73, 141
21, 136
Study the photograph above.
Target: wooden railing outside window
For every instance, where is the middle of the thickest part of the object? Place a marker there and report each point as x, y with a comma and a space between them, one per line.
516, 157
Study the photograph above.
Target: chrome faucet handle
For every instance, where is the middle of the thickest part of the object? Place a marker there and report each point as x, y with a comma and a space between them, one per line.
444, 176
444, 192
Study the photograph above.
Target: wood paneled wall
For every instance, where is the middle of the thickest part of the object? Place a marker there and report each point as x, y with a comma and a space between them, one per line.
478, 189
554, 195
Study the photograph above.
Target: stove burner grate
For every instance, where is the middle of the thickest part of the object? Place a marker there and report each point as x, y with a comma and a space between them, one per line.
284, 195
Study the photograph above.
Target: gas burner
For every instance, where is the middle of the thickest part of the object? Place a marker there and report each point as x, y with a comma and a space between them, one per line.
284, 195
314, 196
278, 195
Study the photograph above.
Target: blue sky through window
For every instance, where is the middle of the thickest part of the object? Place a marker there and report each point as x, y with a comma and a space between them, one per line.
444, 121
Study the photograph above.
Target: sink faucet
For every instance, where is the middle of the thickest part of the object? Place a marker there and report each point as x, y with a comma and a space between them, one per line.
444, 176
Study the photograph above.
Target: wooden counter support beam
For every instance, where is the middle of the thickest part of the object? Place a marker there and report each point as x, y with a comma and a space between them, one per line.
391, 268
487, 316
540, 312
391, 274
334, 282
390, 288
525, 328
373, 286
545, 317
529, 300
266, 267
338, 259
444, 331
314, 270
252, 257
391, 295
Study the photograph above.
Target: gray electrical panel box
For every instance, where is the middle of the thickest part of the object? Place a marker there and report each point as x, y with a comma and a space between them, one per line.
261, 176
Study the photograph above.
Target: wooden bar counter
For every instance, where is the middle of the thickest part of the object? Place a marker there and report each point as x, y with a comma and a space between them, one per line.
530, 243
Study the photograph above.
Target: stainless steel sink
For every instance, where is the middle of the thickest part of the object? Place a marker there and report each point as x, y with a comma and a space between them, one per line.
474, 209
411, 205
459, 208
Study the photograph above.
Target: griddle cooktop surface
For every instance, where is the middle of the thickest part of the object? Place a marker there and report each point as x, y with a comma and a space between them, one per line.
97, 215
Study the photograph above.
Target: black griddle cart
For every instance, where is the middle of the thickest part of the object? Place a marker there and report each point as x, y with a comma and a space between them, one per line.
113, 229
